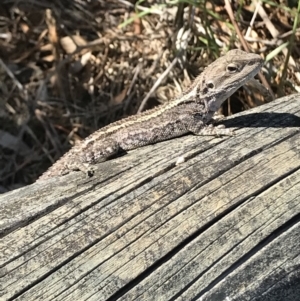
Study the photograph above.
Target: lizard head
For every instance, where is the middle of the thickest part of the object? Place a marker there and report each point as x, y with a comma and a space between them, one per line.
228, 73
222, 78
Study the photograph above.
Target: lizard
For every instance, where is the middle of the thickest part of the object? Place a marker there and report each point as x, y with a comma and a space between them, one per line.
190, 112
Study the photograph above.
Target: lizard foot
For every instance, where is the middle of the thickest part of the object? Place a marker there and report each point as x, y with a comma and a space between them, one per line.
211, 130
217, 117
65, 169
86, 168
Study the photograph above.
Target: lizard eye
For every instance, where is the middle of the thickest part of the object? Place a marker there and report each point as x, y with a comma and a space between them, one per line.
210, 85
231, 68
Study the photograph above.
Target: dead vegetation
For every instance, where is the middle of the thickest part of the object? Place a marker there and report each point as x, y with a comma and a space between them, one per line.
68, 68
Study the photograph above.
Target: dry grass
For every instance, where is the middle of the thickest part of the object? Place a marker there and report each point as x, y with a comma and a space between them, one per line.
68, 68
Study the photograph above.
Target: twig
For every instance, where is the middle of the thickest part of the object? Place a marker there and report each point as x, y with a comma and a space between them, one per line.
244, 43
157, 83
252, 21
12, 76
292, 38
136, 73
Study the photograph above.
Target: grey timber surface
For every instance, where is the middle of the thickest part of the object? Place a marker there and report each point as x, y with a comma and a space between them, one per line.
222, 225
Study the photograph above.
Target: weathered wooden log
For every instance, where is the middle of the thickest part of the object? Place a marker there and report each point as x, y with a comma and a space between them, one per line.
222, 225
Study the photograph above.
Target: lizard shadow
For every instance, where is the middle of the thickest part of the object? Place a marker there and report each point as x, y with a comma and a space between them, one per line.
263, 119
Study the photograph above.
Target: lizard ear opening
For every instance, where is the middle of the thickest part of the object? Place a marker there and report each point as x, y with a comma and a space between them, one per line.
210, 85
231, 68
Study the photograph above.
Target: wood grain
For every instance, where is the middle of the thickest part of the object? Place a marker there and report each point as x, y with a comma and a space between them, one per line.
222, 225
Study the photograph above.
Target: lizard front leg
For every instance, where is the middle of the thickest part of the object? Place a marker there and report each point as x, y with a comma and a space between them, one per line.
210, 130
200, 126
